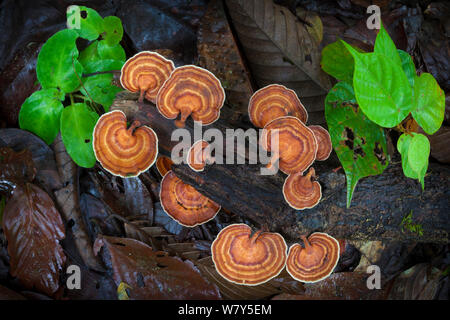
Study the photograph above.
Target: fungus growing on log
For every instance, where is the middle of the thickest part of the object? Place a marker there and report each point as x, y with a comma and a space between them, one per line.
316, 260
163, 165
185, 204
199, 155
301, 192
191, 91
324, 145
146, 72
247, 259
297, 146
273, 102
124, 152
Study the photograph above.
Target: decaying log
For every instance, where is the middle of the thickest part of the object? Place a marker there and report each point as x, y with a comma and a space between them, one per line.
379, 204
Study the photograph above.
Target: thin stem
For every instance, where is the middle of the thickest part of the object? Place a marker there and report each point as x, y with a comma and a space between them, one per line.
71, 99
101, 72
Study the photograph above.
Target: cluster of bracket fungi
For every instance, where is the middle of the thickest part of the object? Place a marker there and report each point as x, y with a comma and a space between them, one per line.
239, 256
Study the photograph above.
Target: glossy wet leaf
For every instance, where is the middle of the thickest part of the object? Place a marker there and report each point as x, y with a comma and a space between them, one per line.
41, 113
385, 46
113, 30
359, 143
337, 61
381, 88
16, 166
153, 274
100, 89
91, 23
57, 62
408, 66
77, 125
113, 52
416, 167
33, 228
429, 103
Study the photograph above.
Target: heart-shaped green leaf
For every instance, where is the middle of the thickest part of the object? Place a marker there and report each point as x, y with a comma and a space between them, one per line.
415, 150
337, 61
57, 62
113, 30
385, 46
114, 52
429, 103
100, 89
381, 88
41, 113
77, 125
90, 22
359, 143
408, 66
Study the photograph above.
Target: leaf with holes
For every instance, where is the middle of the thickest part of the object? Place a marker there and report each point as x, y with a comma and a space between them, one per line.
113, 30
429, 103
90, 22
381, 88
41, 113
33, 228
57, 65
77, 125
359, 143
153, 274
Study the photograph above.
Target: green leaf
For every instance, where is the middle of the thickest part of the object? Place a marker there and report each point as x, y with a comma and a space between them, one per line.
41, 112
55, 68
91, 23
385, 46
337, 61
103, 65
408, 66
113, 30
89, 54
114, 52
359, 143
100, 89
429, 103
381, 88
415, 150
77, 125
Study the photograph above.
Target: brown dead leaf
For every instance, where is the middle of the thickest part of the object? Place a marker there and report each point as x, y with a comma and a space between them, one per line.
16, 166
153, 274
33, 228
281, 50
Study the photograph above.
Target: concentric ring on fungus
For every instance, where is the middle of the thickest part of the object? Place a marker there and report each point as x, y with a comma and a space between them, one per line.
146, 72
324, 146
297, 144
247, 259
124, 152
191, 91
272, 102
184, 203
316, 261
301, 192
163, 165
198, 156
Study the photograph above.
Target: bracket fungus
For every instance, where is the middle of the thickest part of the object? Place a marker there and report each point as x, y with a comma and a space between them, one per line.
273, 102
191, 91
199, 155
184, 203
297, 146
301, 192
324, 145
145, 73
316, 260
163, 165
124, 152
247, 259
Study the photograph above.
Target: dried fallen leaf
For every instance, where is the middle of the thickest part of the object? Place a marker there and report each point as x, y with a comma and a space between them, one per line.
16, 166
281, 50
33, 228
153, 274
